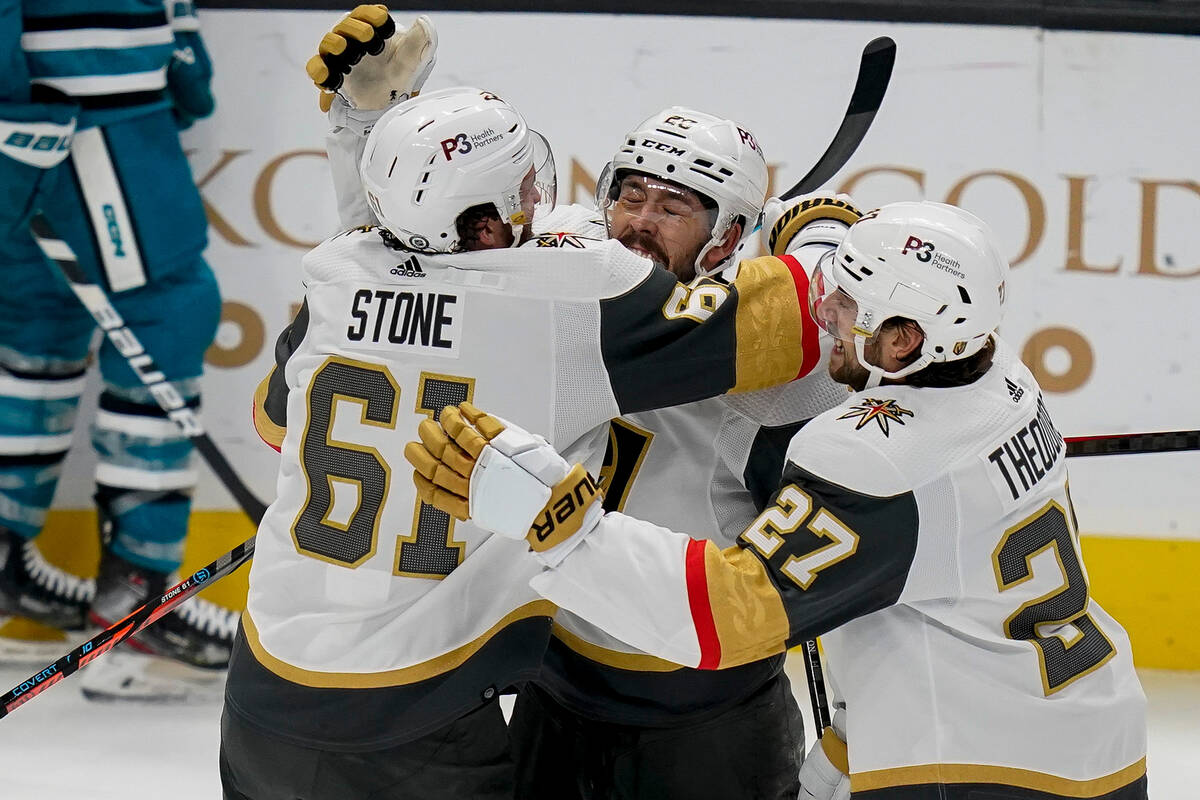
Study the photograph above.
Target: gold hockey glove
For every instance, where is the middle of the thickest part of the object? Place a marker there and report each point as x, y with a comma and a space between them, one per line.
820, 218
372, 62
505, 479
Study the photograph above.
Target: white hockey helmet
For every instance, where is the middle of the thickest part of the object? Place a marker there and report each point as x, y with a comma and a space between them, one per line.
930, 262
714, 157
430, 158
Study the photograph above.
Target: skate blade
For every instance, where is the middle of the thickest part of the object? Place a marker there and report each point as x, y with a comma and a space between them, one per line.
123, 676
28, 644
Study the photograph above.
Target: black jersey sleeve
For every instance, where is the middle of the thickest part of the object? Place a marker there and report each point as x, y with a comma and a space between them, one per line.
270, 399
665, 343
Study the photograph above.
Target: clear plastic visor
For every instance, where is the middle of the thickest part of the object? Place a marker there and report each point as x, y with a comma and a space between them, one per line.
831, 307
667, 205
539, 187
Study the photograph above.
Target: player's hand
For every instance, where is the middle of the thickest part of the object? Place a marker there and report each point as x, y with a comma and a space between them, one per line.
34, 139
371, 61
505, 479
189, 79
818, 218
820, 779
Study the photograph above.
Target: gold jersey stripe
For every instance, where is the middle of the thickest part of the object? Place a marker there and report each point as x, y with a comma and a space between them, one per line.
746, 607
835, 750
392, 677
271, 433
769, 330
639, 662
1004, 776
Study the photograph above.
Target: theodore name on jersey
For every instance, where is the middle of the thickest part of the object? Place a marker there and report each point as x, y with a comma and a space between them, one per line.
1029, 454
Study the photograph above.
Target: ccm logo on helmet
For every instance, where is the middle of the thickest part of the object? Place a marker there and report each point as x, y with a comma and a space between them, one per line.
669, 149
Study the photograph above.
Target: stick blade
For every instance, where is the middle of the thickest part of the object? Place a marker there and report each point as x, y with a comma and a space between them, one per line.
874, 74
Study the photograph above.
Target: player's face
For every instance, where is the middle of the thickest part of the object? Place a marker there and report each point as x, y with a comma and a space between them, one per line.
661, 221
836, 312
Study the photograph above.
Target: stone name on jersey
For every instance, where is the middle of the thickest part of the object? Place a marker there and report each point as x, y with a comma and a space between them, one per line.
403, 318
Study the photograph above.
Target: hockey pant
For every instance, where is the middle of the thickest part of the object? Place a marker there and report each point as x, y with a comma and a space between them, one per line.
126, 203
752, 750
469, 758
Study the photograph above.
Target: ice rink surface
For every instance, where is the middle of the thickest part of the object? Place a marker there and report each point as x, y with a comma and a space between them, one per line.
60, 746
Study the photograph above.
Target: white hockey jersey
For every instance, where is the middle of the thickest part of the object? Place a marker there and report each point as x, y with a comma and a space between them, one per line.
378, 617
929, 535
706, 467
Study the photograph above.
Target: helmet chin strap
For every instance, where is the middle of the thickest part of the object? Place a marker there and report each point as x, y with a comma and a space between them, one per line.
517, 232
718, 236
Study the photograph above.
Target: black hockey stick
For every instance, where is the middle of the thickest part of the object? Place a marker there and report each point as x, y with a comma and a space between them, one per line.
113, 635
874, 72
128, 345
1131, 443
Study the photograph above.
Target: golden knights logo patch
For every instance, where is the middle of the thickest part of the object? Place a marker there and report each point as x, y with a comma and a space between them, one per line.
563, 240
884, 412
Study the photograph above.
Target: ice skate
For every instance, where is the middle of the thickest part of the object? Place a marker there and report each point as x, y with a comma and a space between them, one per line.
43, 609
180, 658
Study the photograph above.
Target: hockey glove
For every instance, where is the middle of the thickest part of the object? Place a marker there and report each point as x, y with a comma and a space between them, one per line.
505, 479
820, 218
34, 138
189, 79
372, 62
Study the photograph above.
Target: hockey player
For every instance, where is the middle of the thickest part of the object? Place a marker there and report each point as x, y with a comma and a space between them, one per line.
378, 632
602, 717
123, 198
924, 527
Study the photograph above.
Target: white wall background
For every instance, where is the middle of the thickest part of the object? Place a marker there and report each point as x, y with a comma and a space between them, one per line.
1108, 114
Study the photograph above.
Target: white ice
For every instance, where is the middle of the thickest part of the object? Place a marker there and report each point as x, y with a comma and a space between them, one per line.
62, 747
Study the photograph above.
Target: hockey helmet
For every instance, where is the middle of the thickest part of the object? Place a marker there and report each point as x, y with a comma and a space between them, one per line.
430, 158
929, 262
714, 157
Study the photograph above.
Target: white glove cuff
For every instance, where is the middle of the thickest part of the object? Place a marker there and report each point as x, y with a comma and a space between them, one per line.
555, 555
357, 120
505, 499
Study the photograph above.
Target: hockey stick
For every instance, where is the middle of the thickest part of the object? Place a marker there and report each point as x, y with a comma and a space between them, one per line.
874, 72
113, 635
1130, 443
128, 345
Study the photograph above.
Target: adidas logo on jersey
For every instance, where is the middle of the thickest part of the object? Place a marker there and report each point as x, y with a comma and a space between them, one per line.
409, 269
1014, 391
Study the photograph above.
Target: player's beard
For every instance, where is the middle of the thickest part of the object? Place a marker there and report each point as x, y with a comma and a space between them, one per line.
632, 239
845, 368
